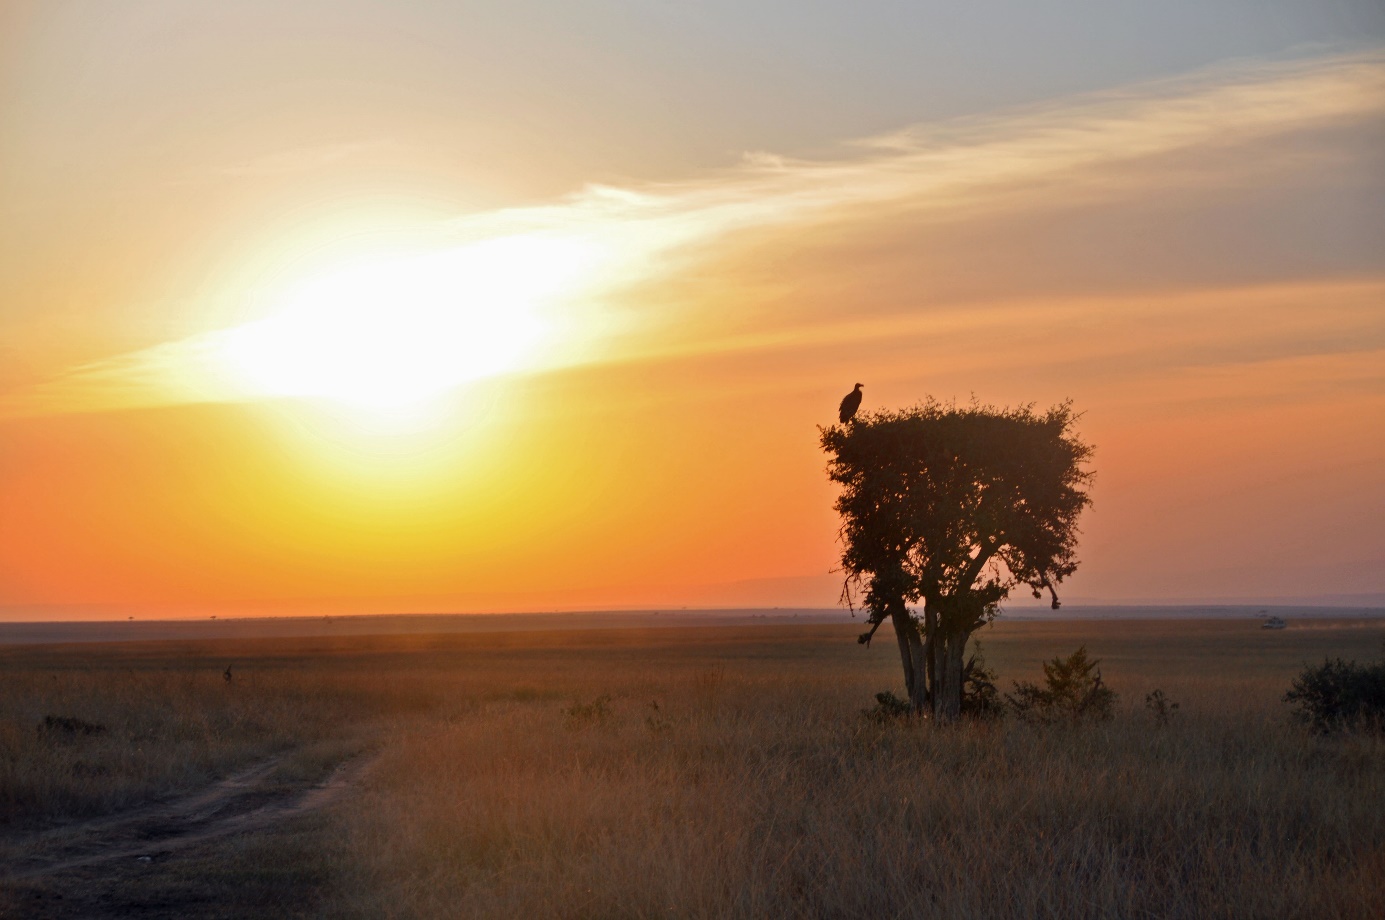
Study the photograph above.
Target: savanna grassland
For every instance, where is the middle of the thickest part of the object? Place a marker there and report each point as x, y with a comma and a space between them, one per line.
683, 771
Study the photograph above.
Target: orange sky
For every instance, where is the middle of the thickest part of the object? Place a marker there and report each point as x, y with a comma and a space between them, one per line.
288, 369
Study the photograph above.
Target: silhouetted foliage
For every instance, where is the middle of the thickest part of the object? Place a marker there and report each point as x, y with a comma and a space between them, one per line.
69, 726
1072, 692
580, 713
1161, 707
953, 507
888, 707
1340, 695
980, 699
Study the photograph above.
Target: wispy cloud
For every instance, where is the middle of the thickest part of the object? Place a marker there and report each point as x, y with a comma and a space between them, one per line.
958, 164
943, 171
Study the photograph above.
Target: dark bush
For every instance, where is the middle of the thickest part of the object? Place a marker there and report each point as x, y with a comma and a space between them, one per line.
1072, 692
888, 707
580, 713
69, 726
1161, 707
1340, 695
980, 699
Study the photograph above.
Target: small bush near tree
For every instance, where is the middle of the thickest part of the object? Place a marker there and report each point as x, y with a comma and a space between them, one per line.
1340, 695
1072, 692
888, 707
980, 699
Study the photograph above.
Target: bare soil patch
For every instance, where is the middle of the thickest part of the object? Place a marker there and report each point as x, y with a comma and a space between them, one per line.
79, 869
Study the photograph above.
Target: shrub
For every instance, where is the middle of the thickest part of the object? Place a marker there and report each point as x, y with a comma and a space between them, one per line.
597, 710
69, 726
980, 699
1162, 708
1340, 695
1073, 693
888, 707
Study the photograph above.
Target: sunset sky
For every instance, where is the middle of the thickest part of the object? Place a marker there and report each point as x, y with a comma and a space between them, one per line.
333, 307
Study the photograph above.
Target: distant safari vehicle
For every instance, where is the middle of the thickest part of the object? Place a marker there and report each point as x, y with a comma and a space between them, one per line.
1273, 623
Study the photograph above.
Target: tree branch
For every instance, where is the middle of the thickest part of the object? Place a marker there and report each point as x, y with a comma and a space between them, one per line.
865, 637
970, 572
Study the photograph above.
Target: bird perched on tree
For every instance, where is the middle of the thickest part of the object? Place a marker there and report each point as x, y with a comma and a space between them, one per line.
850, 404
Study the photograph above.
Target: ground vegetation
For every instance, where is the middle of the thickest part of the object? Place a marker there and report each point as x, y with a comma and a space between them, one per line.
729, 773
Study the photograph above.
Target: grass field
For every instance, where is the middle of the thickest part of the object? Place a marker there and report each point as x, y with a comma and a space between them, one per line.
704, 772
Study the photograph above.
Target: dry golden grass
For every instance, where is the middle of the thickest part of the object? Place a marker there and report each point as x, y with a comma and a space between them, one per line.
170, 721
728, 772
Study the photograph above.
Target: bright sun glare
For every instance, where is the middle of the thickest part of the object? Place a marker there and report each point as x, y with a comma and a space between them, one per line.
392, 333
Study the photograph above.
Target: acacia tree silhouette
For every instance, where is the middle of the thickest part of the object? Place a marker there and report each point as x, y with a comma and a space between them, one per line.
954, 507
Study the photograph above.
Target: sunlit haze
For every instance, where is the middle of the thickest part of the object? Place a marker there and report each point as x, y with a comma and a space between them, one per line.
328, 308
389, 333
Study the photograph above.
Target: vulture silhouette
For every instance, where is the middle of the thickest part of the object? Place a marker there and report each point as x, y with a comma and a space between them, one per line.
850, 404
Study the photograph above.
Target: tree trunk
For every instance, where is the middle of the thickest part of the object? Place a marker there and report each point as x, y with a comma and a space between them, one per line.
937, 663
947, 702
904, 627
930, 634
921, 697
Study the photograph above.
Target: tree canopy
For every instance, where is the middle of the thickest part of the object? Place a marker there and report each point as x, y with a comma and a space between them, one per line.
954, 507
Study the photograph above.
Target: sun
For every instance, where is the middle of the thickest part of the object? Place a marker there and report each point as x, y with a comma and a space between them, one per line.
393, 332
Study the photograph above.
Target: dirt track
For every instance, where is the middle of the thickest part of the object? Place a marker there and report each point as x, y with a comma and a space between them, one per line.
66, 872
